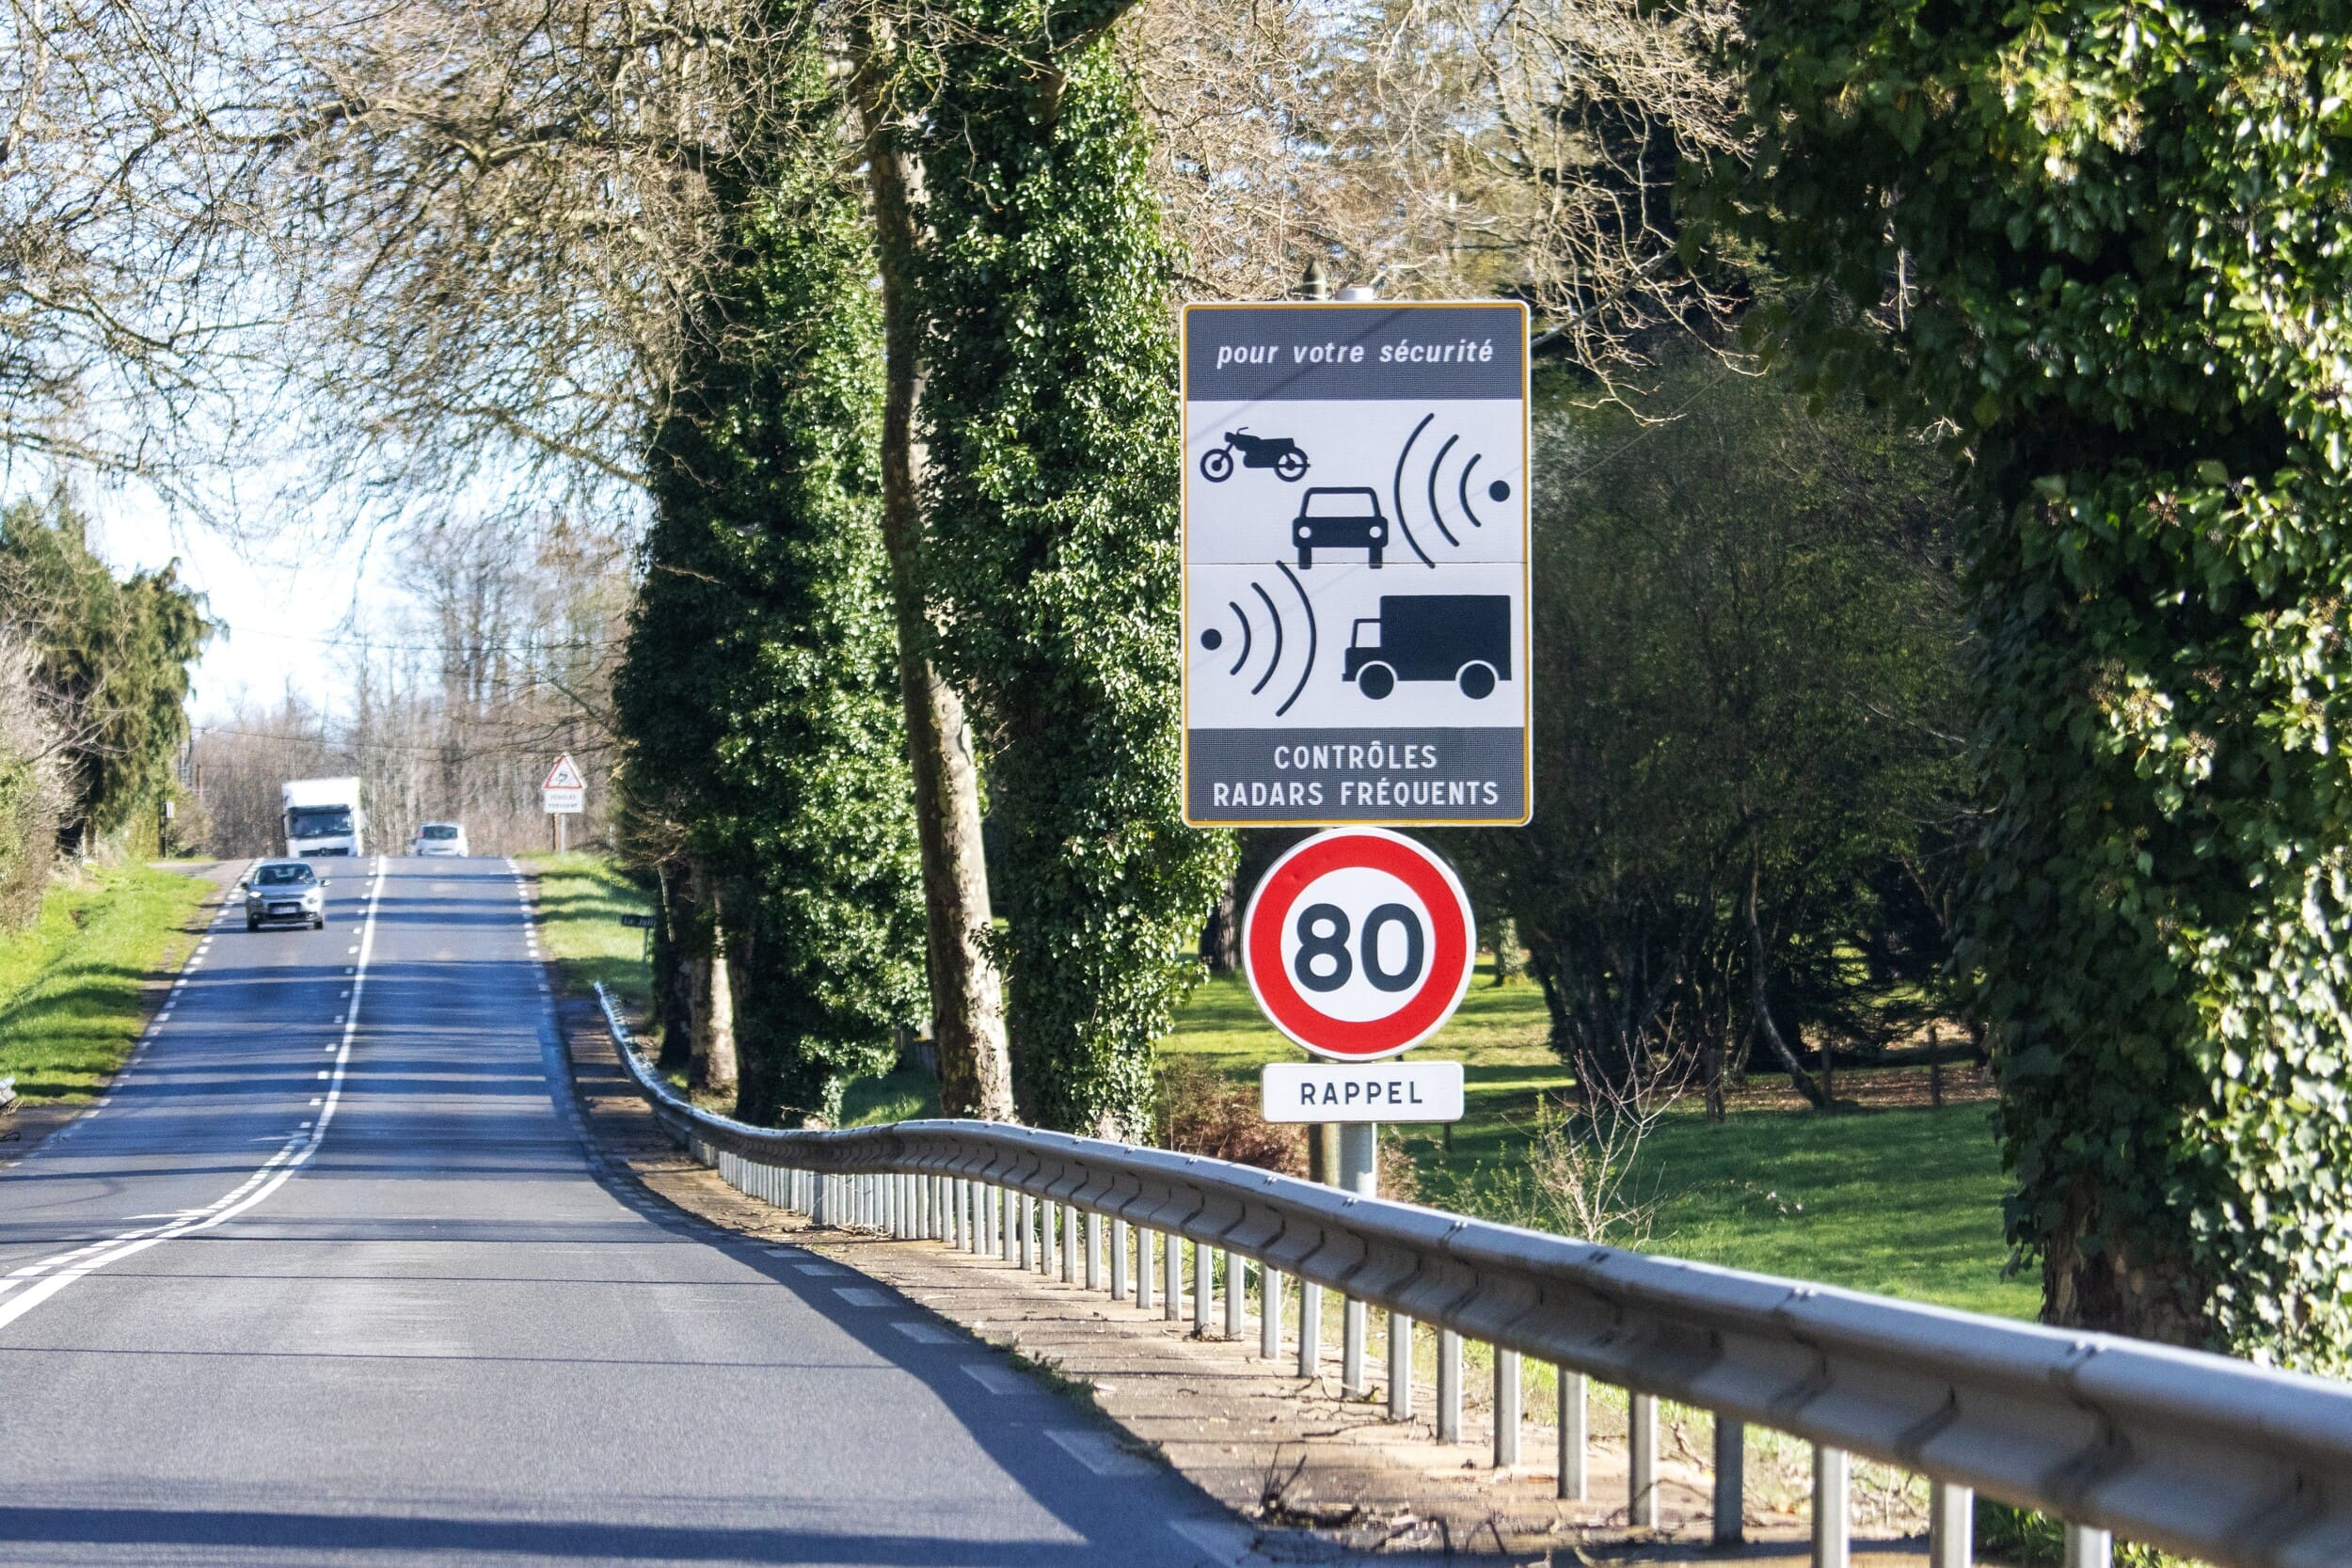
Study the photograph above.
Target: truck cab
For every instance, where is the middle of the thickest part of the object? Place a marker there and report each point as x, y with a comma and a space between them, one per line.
323, 816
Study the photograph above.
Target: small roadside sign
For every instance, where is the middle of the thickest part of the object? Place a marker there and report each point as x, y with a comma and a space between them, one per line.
637, 922
1356, 603
1358, 944
564, 792
1336, 1092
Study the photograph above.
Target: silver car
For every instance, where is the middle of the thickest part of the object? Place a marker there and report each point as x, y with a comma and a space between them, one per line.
284, 893
440, 838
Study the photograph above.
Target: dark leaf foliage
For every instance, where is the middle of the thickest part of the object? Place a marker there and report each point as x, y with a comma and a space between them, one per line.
1053, 544
2113, 245
766, 744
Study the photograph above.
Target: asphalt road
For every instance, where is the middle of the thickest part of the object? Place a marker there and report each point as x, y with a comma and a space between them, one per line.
331, 1279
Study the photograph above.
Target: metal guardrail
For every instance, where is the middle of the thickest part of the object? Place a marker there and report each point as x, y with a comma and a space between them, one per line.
2242, 1465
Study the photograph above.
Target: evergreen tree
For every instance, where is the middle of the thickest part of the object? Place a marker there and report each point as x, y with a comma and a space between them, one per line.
112, 658
759, 694
1053, 535
2113, 246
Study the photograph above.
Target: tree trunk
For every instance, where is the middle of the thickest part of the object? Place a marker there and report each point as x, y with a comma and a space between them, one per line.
1507, 940
675, 979
967, 994
1762, 1005
1221, 942
718, 1074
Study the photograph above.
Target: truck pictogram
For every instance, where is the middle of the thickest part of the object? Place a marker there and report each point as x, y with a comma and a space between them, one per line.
1462, 638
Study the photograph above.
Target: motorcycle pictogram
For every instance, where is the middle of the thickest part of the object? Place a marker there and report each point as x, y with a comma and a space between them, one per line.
1278, 452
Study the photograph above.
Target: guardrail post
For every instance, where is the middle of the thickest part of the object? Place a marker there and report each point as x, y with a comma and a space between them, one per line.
1731, 1481
1640, 1458
1072, 1243
1119, 1259
1575, 1431
1352, 1382
1448, 1387
1048, 1236
1832, 1470
1236, 1298
1094, 1252
1144, 1263
1269, 1313
1506, 1408
1951, 1526
2088, 1546
1204, 1289
1172, 1279
1309, 1330
1400, 1367
1022, 1251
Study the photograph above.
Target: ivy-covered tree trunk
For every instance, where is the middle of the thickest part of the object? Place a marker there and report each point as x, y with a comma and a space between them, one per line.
1050, 416
2114, 247
760, 690
966, 989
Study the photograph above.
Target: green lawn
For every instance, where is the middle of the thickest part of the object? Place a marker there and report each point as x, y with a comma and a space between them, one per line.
581, 899
71, 984
1901, 1202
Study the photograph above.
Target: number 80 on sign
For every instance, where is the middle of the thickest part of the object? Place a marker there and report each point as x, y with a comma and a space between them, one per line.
1358, 943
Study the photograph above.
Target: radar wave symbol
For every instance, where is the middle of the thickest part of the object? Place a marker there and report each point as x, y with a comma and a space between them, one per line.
1434, 485
1279, 640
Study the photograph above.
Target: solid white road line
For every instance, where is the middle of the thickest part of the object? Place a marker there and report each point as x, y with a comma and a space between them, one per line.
274, 1173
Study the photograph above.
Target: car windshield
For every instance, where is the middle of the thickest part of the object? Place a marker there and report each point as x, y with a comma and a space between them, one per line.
318, 822
438, 829
1342, 504
284, 876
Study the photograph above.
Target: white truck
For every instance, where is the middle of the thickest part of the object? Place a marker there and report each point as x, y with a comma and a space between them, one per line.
323, 817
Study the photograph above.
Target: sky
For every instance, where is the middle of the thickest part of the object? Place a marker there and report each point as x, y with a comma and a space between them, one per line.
288, 606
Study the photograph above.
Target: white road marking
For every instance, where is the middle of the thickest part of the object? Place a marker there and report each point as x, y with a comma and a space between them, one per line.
858, 1295
927, 1333
45, 1277
1097, 1452
995, 1379
817, 1268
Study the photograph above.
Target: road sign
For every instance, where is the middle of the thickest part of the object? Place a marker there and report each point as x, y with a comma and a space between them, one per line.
637, 922
1355, 548
1336, 1092
1358, 943
564, 792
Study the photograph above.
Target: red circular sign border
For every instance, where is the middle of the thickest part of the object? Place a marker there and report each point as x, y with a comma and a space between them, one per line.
1441, 892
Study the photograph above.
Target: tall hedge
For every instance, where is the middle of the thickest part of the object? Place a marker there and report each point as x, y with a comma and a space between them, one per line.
2113, 245
1050, 415
759, 694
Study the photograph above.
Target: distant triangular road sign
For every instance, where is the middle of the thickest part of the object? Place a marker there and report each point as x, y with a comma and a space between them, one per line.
564, 774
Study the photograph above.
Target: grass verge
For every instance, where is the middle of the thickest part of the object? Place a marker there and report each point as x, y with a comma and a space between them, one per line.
73, 984
581, 899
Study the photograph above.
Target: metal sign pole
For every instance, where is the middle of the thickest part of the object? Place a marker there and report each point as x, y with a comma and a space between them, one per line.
1360, 1174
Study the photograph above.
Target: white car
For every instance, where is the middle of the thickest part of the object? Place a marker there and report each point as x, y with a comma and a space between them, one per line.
284, 893
440, 838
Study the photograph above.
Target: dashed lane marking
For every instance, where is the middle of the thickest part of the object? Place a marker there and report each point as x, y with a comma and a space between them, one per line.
928, 1334
1097, 1452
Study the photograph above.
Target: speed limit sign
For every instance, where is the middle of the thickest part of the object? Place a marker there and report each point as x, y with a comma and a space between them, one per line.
1358, 943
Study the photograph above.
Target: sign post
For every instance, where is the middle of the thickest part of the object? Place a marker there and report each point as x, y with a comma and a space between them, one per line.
1360, 944
564, 793
1356, 635
1355, 563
